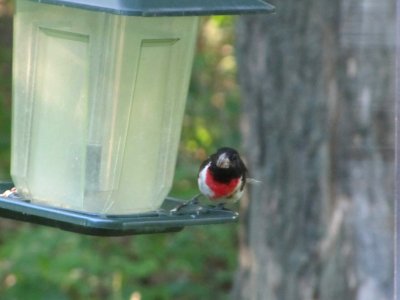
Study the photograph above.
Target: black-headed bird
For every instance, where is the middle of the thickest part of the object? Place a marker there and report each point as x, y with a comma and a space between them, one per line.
222, 178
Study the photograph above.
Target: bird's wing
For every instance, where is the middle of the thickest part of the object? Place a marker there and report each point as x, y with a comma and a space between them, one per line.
203, 164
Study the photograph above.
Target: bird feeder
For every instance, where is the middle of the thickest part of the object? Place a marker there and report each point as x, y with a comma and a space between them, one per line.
99, 91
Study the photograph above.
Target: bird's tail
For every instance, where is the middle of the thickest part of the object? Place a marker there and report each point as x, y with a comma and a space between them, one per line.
253, 181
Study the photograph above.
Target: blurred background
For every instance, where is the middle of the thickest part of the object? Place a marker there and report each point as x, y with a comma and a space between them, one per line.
308, 95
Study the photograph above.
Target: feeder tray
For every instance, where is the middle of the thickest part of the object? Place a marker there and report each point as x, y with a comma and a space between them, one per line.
163, 220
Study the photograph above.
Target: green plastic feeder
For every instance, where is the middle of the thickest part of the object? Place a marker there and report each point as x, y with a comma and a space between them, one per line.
99, 91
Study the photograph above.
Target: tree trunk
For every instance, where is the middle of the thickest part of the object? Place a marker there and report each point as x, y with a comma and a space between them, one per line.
317, 82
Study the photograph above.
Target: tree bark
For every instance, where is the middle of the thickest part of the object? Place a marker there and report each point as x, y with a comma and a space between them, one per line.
317, 82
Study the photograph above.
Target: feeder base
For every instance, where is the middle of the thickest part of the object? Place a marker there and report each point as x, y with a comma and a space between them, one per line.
163, 220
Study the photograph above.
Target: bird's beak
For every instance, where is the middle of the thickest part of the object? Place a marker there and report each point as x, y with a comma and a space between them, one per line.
223, 161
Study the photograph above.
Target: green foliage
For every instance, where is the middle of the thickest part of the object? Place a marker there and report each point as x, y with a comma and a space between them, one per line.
212, 109
5, 94
50, 264
198, 263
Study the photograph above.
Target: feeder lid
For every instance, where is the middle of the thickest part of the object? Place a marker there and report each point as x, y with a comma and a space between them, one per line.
153, 8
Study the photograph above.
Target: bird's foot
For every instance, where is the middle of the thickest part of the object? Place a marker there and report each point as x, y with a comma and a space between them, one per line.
220, 206
194, 202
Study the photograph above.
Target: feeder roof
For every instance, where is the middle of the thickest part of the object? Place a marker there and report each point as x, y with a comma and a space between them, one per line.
153, 8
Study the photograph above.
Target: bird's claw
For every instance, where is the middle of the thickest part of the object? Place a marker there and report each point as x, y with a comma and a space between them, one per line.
220, 206
189, 206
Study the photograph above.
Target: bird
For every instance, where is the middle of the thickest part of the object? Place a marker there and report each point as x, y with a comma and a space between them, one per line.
222, 176
221, 179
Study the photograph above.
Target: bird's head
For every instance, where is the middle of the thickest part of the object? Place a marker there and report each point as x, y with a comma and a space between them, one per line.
227, 158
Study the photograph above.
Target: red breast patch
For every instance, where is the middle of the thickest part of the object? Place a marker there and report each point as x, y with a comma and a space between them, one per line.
221, 189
